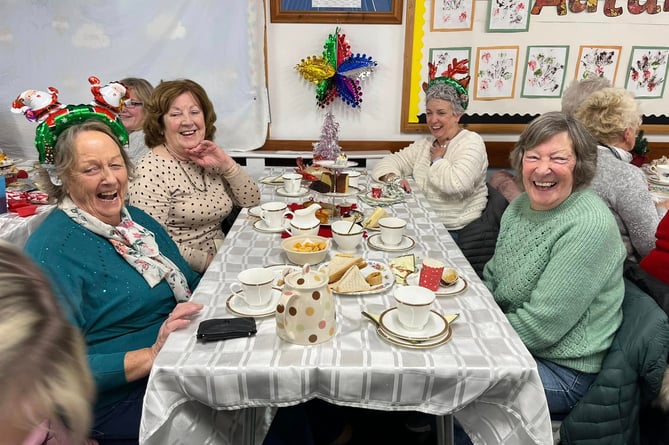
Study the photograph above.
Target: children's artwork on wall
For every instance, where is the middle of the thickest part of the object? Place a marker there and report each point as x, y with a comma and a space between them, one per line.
647, 71
508, 16
496, 68
452, 15
598, 61
545, 69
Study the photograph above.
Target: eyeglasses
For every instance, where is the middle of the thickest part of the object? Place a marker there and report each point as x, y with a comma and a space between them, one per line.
133, 103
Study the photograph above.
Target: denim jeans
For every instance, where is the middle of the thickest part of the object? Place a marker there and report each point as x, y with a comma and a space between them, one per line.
118, 424
563, 386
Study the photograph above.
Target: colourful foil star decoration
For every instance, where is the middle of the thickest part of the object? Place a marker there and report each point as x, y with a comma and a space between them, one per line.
338, 72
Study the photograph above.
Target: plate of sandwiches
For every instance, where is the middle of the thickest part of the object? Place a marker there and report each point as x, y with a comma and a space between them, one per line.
352, 275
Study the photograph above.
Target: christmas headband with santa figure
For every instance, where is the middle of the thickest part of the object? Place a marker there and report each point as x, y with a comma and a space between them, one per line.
447, 77
54, 118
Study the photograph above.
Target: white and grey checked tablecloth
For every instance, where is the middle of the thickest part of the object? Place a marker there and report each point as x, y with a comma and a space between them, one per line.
205, 393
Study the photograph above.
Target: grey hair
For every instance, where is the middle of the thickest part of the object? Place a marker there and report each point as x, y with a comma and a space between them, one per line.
445, 92
43, 367
65, 159
579, 90
545, 127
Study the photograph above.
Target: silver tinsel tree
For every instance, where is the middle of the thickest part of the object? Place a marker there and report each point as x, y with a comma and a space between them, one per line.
327, 148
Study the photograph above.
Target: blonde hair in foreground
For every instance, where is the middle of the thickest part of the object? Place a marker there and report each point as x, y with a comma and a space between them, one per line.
44, 372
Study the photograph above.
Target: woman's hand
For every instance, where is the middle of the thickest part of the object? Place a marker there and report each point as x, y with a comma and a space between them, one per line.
208, 154
405, 185
178, 319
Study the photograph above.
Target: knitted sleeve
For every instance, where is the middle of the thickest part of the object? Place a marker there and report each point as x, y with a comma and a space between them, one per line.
463, 166
402, 162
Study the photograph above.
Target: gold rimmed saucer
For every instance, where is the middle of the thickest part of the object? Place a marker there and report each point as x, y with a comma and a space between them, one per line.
414, 343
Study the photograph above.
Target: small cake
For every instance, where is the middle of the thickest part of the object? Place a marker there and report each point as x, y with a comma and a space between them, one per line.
374, 278
449, 276
336, 183
341, 161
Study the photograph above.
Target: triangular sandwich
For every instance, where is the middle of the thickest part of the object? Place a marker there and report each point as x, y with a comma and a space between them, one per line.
340, 264
352, 281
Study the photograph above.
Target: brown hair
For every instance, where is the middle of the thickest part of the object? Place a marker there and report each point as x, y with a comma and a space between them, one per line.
161, 100
141, 87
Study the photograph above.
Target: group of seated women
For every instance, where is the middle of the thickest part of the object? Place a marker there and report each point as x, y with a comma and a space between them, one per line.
126, 245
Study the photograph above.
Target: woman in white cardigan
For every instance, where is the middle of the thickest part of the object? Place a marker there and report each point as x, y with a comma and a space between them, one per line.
450, 165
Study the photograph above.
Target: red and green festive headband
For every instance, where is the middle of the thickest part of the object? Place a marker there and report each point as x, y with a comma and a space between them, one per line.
54, 117
447, 77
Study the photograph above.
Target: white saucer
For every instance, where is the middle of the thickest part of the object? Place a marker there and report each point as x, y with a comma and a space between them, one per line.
458, 287
255, 211
260, 226
332, 164
659, 180
375, 242
282, 191
238, 306
436, 326
416, 344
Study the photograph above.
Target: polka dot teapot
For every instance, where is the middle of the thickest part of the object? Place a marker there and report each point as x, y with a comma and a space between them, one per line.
305, 314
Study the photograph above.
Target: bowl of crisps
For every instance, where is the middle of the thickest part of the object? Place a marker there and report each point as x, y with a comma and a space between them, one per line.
306, 249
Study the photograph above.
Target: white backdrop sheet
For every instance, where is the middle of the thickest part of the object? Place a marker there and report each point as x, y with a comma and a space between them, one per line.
219, 44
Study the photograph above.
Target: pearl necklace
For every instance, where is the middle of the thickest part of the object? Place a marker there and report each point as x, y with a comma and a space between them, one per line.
183, 170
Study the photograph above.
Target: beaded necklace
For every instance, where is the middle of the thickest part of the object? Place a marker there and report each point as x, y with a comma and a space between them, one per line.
183, 170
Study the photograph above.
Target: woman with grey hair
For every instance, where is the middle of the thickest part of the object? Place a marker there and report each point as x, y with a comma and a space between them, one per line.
450, 165
612, 116
557, 271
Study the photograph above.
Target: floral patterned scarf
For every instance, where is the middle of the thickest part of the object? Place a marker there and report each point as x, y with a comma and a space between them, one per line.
136, 245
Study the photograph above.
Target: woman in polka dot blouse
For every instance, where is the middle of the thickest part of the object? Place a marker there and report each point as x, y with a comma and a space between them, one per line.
187, 182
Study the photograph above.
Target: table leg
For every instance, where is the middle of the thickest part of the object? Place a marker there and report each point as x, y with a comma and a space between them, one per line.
249, 426
445, 430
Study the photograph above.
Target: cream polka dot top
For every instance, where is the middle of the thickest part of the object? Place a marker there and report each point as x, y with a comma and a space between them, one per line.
190, 201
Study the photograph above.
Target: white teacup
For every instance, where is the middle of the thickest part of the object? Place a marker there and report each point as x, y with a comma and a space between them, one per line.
272, 214
662, 170
254, 286
302, 230
392, 230
292, 182
413, 306
353, 177
347, 238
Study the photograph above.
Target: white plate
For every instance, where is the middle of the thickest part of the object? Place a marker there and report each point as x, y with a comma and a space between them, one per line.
351, 191
387, 278
375, 242
436, 326
655, 179
458, 287
282, 192
331, 164
386, 200
255, 211
236, 305
416, 344
280, 270
260, 226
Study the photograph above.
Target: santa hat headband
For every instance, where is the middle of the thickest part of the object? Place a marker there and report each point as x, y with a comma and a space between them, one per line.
54, 117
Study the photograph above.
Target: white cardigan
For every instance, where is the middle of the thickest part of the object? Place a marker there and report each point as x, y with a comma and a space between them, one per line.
455, 186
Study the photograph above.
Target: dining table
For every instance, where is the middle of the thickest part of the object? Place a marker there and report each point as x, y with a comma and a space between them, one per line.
227, 392
17, 229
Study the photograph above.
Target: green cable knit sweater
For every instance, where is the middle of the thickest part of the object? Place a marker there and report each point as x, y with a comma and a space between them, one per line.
558, 277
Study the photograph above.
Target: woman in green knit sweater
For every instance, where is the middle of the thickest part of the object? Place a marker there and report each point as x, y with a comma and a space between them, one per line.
557, 268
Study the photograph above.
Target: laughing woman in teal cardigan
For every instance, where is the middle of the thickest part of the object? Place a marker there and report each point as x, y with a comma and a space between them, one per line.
117, 273
557, 268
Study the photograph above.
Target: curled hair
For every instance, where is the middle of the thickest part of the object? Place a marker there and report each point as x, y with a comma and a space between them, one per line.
66, 157
608, 113
161, 100
445, 92
43, 367
579, 90
545, 127
141, 87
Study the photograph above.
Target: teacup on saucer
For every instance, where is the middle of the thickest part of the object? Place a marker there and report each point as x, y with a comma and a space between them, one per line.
237, 305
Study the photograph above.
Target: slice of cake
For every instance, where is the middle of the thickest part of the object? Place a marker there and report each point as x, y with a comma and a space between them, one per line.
336, 183
341, 161
402, 267
373, 220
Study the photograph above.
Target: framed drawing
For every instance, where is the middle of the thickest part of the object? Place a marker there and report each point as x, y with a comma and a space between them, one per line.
599, 61
508, 16
545, 71
369, 12
452, 15
496, 68
647, 71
